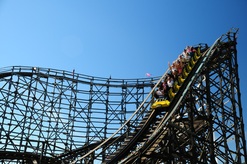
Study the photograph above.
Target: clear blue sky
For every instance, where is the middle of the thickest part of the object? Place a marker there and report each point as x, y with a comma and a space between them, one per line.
117, 38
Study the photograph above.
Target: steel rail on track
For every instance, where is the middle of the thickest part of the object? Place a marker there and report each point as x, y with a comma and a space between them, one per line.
135, 138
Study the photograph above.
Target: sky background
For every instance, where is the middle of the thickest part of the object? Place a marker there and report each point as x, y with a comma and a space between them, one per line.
119, 38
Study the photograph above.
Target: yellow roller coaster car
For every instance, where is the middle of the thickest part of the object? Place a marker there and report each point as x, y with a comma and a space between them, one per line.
160, 103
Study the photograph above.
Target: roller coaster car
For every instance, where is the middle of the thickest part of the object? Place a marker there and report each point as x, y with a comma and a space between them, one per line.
160, 103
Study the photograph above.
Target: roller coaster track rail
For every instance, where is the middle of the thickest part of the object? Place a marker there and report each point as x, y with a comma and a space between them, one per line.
168, 117
60, 117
